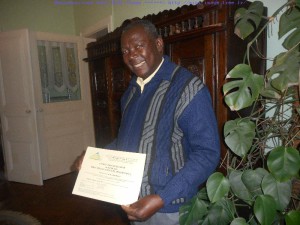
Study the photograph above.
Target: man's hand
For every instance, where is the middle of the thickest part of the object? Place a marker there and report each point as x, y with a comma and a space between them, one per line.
144, 208
77, 163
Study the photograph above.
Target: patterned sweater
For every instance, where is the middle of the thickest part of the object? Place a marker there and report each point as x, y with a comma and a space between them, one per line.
173, 122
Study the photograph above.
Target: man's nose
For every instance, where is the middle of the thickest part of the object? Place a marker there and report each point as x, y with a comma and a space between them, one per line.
132, 53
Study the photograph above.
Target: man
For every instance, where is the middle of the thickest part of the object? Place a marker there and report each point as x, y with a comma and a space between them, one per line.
167, 114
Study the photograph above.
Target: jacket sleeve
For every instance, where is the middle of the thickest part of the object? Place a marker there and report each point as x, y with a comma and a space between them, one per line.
202, 148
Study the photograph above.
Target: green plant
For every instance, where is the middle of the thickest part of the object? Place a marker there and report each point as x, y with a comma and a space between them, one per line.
263, 157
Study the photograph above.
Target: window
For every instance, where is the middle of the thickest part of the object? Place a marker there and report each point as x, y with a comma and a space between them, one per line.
59, 71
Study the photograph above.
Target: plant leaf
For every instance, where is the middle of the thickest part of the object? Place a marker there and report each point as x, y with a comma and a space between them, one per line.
280, 191
239, 135
252, 180
238, 187
243, 90
247, 21
288, 21
221, 213
292, 40
239, 221
193, 211
286, 66
284, 163
269, 92
265, 209
217, 187
292, 217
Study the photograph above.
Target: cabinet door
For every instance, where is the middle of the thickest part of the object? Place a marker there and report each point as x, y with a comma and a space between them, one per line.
99, 92
198, 56
206, 57
118, 76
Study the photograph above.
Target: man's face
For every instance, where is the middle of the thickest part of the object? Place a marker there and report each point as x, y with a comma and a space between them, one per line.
141, 52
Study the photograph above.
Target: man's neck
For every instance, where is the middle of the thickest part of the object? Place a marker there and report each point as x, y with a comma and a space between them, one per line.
142, 82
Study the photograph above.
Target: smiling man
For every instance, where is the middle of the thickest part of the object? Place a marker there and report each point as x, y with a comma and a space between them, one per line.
166, 114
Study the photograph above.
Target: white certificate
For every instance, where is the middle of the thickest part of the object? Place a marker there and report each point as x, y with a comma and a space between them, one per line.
110, 176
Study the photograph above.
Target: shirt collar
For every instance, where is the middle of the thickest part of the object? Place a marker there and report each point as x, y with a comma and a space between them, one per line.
142, 82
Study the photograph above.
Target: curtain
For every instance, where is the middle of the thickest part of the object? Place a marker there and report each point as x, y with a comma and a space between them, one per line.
59, 71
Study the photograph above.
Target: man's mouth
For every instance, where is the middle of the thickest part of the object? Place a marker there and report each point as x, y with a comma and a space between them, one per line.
138, 64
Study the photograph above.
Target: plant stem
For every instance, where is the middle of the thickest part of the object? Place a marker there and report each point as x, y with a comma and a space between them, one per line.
270, 19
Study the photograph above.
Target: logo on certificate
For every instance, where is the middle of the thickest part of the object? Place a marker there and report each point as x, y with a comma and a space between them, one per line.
95, 156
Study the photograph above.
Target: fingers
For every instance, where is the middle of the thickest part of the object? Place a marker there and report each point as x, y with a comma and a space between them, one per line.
129, 212
144, 208
77, 163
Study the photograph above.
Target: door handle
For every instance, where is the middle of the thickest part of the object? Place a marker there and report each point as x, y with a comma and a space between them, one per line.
28, 111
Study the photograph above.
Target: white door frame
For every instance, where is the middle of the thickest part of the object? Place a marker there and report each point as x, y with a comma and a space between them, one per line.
105, 23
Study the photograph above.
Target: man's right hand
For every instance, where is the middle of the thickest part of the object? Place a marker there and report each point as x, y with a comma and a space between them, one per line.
78, 161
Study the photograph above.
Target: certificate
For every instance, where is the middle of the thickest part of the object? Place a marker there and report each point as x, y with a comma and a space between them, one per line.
110, 176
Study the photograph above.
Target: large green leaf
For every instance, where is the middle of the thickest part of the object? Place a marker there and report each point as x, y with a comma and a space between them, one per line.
247, 21
265, 209
288, 21
286, 68
239, 221
239, 135
284, 163
238, 187
292, 217
252, 181
280, 191
243, 88
193, 211
292, 40
217, 187
221, 213
269, 92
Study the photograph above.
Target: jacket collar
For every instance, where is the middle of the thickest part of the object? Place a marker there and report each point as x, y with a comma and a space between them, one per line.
164, 72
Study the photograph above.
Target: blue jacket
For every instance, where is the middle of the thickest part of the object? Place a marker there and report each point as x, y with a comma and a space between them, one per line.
173, 122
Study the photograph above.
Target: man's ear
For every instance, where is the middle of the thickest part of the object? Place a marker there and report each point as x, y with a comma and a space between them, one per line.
160, 44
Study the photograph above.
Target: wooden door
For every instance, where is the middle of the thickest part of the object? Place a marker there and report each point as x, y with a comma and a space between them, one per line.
18, 109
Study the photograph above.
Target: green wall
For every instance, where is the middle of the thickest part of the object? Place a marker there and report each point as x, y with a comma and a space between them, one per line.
132, 9
37, 15
56, 16
72, 16
87, 15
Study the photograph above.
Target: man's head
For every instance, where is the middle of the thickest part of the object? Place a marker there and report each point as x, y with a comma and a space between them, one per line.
142, 47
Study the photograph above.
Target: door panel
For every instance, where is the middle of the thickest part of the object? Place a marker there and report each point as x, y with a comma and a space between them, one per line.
40, 140
17, 108
65, 128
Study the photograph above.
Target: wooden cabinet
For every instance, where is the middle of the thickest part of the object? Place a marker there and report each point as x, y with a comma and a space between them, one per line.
199, 37
109, 78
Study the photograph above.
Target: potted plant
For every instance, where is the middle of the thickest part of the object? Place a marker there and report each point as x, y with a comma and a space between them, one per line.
263, 162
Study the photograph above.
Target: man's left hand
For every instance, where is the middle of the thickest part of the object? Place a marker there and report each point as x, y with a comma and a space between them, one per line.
144, 208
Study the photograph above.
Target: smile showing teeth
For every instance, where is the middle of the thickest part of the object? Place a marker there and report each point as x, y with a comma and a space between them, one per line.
139, 64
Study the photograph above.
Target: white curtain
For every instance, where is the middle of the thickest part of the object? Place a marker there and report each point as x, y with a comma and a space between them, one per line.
58, 68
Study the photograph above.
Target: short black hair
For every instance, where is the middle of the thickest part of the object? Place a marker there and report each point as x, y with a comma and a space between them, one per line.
146, 24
